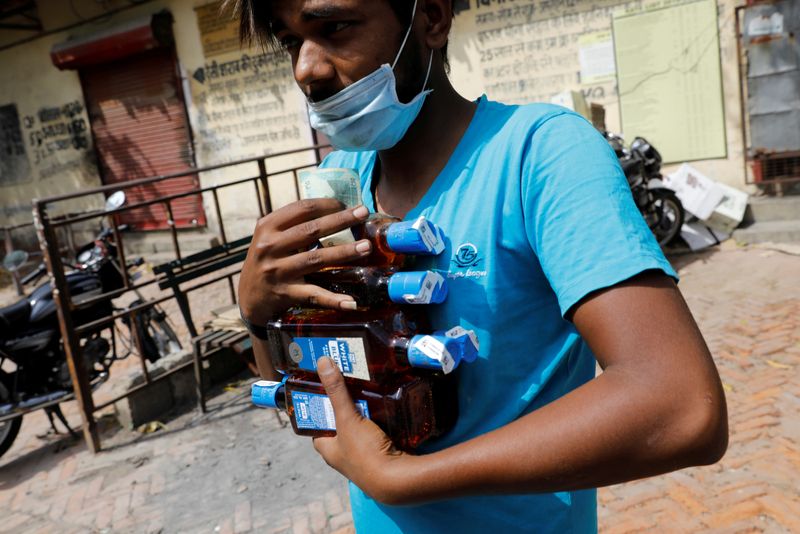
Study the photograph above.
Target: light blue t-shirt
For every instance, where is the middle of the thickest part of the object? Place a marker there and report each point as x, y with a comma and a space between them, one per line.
537, 214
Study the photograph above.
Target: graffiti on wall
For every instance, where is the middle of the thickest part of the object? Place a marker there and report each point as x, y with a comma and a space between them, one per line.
245, 100
529, 50
58, 137
14, 167
218, 34
56, 129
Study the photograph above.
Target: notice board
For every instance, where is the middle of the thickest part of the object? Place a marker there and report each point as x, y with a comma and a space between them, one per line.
669, 80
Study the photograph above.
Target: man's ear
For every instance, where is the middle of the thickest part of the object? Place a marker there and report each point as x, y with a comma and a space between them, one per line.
438, 17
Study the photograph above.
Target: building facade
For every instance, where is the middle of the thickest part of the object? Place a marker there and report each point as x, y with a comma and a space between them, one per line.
99, 92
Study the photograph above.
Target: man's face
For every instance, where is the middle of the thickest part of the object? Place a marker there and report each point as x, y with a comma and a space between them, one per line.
334, 43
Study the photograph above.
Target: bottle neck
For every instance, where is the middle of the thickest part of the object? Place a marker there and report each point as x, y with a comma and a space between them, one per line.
377, 226
400, 347
280, 398
382, 284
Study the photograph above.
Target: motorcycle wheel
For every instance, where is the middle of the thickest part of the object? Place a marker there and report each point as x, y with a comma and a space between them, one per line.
8, 429
157, 337
162, 335
667, 212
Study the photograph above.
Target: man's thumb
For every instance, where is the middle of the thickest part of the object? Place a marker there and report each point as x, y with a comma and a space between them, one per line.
333, 382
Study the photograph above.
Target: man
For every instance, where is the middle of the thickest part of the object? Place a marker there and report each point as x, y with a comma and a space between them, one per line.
548, 260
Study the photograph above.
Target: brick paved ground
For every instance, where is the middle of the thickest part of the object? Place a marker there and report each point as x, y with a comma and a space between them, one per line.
747, 303
238, 470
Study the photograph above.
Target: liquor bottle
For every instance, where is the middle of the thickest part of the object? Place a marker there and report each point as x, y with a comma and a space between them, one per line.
372, 345
409, 410
373, 287
392, 239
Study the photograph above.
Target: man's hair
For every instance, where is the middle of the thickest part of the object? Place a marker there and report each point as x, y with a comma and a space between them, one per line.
254, 27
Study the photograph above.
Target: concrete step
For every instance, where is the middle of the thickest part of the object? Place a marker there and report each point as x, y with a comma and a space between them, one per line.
762, 209
769, 231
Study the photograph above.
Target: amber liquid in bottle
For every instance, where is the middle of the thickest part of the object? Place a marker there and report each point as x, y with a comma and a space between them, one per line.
368, 345
368, 286
374, 229
410, 410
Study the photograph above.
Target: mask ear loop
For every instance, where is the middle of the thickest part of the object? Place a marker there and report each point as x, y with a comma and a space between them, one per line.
408, 32
427, 74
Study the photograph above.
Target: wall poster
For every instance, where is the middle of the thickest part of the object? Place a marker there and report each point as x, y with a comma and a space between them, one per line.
669, 80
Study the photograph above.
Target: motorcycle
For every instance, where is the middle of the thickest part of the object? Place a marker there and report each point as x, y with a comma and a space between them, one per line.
30, 337
661, 209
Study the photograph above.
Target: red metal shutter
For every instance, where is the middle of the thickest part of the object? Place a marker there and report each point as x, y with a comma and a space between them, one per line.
140, 128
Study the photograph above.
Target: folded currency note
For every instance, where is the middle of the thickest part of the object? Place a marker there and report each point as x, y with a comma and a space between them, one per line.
342, 184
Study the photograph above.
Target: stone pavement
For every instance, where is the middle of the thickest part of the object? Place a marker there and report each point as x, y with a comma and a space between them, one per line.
238, 469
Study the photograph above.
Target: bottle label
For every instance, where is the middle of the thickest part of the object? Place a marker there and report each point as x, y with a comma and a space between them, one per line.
458, 331
429, 235
348, 353
313, 411
435, 349
429, 284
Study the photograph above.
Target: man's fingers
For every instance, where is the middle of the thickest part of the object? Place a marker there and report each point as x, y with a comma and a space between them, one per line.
310, 231
313, 260
301, 211
326, 447
311, 295
333, 382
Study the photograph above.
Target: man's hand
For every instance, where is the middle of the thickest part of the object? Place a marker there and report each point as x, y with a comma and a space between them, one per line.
360, 450
272, 274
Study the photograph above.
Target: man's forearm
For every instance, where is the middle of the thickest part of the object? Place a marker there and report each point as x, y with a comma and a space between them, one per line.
263, 359
613, 429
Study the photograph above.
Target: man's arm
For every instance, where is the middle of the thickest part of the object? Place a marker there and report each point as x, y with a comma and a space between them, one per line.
658, 406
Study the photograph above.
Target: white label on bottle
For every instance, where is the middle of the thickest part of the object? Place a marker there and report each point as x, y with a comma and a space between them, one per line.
348, 353
458, 331
435, 349
429, 236
314, 411
431, 282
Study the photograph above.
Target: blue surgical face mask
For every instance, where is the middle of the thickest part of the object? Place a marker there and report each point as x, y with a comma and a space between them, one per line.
367, 115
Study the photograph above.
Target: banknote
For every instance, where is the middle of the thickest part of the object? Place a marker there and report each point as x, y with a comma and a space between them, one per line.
342, 184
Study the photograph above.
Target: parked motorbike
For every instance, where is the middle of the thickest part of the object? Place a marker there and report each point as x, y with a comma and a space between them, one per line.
31, 340
659, 206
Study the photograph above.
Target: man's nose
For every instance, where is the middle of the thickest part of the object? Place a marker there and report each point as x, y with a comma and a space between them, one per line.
312, 66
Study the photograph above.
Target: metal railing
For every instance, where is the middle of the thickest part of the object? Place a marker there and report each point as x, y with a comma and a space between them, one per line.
72, 333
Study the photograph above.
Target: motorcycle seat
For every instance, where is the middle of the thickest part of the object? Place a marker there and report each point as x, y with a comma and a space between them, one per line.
14, 317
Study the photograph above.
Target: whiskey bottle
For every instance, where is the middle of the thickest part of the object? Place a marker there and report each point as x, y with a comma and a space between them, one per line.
372, 345
372, 287
392, 239
410, 410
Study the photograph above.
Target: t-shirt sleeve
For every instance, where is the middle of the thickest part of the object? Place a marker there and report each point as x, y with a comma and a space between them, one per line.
580, 217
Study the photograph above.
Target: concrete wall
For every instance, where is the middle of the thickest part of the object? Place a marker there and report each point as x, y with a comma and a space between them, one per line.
482, 62
244, 103
241, 104
54, 154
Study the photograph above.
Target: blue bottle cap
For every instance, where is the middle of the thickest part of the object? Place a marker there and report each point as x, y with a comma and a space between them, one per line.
266, 393
443, 350
417, 287
415, 237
